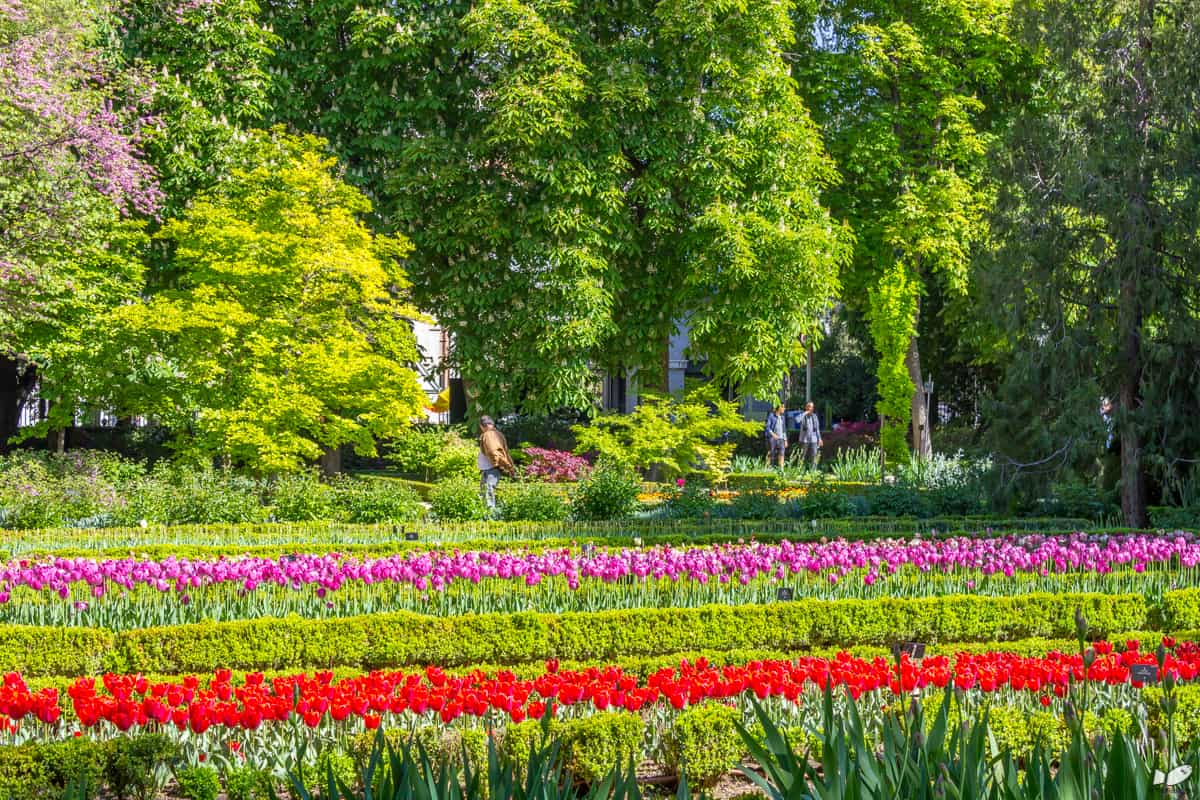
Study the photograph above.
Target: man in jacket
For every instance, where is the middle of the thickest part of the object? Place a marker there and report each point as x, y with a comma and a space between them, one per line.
810, 436
776, 437
493, 460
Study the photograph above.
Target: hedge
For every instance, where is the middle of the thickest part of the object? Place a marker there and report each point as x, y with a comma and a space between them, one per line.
406, 639
341, 535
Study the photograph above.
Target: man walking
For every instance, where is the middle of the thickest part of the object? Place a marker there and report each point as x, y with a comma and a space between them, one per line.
776, 436
810, 437
493, 460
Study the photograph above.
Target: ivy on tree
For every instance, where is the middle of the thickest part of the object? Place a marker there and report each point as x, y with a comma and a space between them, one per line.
578, 178
909, 94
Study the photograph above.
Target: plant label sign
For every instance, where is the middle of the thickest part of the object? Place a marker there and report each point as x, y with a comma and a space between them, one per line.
410, 536
1143, 673
910, 649
783, 594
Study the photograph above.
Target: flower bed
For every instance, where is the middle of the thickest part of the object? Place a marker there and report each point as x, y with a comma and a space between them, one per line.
318, 699
134, 592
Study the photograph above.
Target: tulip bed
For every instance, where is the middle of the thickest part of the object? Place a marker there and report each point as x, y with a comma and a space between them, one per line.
130, 593
242, 646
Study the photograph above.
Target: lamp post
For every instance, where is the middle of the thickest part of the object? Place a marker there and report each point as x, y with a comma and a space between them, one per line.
927, 427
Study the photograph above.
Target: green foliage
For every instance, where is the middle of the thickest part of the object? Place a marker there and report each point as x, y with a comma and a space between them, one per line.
703, 742
136, 767
456, 458
677, 435
398, 639
824, 501
609, 492
1115, 287
691, 500
177, 494
374, 500
533, 501
897, 501
457, 499
300, 497
597, 744
413, 451
756, 505
198, 783
287, 331
246, 783
593, 201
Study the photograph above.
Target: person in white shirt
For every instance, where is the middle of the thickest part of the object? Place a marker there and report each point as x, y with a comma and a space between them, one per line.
810, 437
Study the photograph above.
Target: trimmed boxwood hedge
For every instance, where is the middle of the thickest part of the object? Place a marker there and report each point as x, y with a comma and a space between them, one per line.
406, 639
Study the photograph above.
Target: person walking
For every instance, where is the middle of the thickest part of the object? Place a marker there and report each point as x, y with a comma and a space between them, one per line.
493, 460
776, 432
810, 437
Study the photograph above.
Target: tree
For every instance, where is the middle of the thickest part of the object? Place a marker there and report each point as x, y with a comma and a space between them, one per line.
680, 436
288, 333
1095, 278
73, 178
909, 94
579, 178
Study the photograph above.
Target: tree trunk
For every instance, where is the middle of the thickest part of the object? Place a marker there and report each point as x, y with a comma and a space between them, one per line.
1135, 250
16, 382
922, 440
331, 462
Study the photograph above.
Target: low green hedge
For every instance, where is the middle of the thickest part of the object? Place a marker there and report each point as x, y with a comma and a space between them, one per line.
406, 639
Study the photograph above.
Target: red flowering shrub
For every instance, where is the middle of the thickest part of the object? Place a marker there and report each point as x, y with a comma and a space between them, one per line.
555, 466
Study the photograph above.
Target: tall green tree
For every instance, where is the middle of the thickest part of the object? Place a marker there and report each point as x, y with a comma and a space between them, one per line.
73, 180
908, 94
288, 332
579, 177
1098, 241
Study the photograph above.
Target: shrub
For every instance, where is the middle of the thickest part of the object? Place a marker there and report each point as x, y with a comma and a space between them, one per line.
247, 783
1172, 519
136, 766
413, 452
373, 500
704, 742
756, 505
610, 492
300, 498
677, 435
555, 466
532, 502
897, 501
594, 745
176, 494
457, 499
198, 783
330, 760
456, 458
961, 500
823, 501
690, 499
1074, 499
78, 489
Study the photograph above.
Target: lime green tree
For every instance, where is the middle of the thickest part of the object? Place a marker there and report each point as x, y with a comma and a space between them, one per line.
288, 334
579, 177
910, 94
682, 436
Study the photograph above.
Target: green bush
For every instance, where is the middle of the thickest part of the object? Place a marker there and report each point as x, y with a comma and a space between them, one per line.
375, 500
609, 492
1173, 519
76, 489
755, 481
457, 499
198, 783
532, 502
690, 501
315, 776
386, 640
756, 505
822, 501
413, 452
594, 745
456, 458
1078, 499
176, 494
300, 498
704, 743
247, 783
135, 766
897, 501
